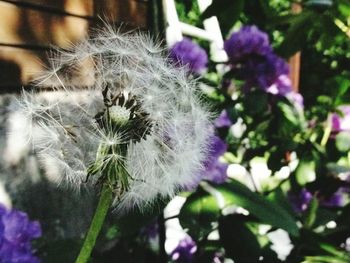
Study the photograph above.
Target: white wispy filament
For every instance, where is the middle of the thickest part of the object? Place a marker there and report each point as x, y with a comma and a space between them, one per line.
68, 139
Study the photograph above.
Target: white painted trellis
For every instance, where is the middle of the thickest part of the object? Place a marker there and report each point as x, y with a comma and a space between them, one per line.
175, 29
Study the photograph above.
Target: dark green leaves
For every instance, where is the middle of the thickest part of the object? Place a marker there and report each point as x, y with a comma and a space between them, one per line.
256, 103
239, 241
266, 211
227, 11
344, 7
201, 209
297, 33
198, 213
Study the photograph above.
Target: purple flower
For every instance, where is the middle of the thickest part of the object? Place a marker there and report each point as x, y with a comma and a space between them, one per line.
186, 52
219, 257
335, 200
253, 60
214, 170
247, 42
264, 72
185, 250
341, 123
217, 147
300, 201
150, 231
282, 86
16, 233
297, 99
223, 121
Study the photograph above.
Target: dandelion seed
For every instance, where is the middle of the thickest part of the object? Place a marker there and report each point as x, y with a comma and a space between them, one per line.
138, 126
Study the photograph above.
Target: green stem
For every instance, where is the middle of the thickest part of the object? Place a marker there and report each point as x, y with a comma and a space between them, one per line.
327, 133
104, 204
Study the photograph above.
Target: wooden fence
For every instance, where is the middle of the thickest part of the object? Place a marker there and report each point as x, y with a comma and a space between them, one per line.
31, 28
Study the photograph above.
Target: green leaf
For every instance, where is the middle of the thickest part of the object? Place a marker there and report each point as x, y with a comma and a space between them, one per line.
209, 250
342, 141
323, 216
289, 113
256, 102
239, 241
335, 251
198, 213
297, 34
267, 211
284, 19
311, 213
280, 198
336, 255
323, 259
305, 172
344, 7
227, 11
288, 123
343, 87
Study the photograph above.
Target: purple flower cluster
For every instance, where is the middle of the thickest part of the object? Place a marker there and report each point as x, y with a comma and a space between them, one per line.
16, 233
252, 59
301, 201
215, 171
223, 121
297, 99
335, 200
185, 250
248, 41
150, 231
186, 52
341, 123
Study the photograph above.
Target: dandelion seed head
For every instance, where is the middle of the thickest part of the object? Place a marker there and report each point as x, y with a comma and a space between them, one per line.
138, 114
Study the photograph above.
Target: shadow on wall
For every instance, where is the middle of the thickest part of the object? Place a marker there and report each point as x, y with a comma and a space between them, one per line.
10, 73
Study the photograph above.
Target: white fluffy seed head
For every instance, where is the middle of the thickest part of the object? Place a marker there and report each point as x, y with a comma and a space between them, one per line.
67, 139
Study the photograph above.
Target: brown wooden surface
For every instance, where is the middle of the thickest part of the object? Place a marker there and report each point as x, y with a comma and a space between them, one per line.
29, 28
295, 60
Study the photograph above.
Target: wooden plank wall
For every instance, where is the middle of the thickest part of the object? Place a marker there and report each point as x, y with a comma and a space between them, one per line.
30, 28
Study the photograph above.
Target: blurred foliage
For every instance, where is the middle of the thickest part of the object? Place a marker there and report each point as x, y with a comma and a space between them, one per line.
277, 130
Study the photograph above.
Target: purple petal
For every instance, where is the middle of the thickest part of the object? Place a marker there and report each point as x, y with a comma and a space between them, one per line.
223, 121
17, 231
341, 123
188, 53
185, 250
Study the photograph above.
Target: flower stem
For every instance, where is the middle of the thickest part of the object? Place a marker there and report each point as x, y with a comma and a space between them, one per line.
104, 204
326, 134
